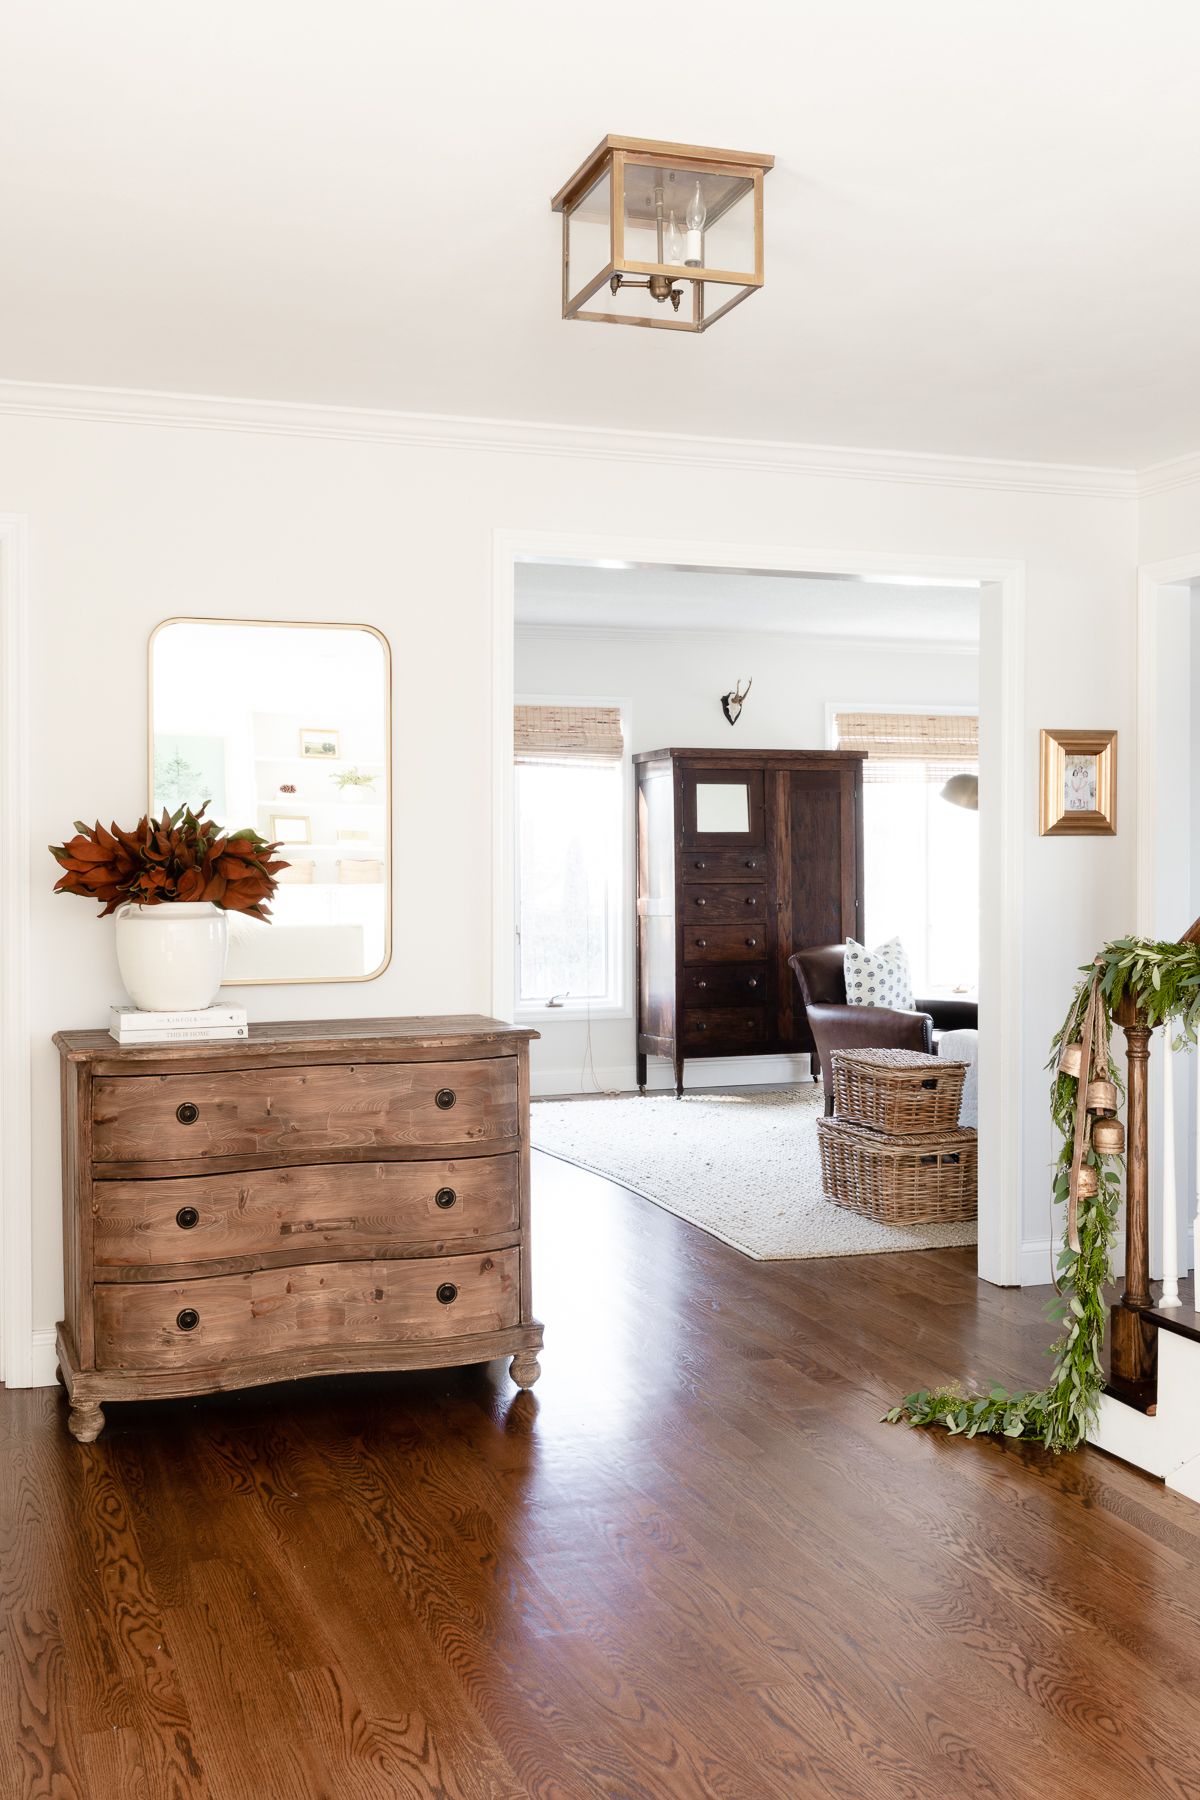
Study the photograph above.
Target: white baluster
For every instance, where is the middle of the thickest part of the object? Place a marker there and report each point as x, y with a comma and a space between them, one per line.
1170, 1216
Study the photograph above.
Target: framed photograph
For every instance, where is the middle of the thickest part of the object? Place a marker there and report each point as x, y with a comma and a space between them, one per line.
318, 744
291, 828
1079, 784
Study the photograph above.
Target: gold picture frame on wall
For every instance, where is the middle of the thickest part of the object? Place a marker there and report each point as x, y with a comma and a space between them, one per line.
1078, 784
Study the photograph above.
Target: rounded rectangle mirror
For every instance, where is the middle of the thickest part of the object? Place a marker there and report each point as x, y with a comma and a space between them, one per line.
286, 728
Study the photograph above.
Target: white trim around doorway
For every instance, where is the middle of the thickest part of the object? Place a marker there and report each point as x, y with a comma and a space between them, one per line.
1002, 649
16, 1123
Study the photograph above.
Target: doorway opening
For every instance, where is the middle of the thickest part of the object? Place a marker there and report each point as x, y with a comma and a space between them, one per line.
638, 634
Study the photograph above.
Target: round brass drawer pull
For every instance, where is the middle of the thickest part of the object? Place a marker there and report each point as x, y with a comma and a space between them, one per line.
700, 1025
187, 1112
701, 943
750, 900
750, 943
187, 1217
447, 1293
700, 865
700, 984
445, 1098
700, 900
753, 981
445, 1197
188, 1319
751, 863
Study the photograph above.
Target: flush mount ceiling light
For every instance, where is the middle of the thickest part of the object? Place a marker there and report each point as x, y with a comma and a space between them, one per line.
667, 235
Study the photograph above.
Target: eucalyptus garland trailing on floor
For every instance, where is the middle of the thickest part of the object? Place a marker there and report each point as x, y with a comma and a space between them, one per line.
1164, 982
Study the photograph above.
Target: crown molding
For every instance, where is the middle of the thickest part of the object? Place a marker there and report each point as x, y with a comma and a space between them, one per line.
1163, 477
808, 640
515, 437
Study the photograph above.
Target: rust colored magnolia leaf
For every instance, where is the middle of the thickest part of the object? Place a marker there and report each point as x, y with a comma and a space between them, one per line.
182, 856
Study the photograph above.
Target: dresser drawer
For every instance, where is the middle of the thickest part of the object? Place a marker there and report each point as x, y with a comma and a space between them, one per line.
313, 1306
292, 1112
724, 865
724, 901
723, 1028
340, 1209
725, 985
706, 943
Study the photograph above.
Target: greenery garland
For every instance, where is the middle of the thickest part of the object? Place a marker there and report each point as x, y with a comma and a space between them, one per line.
1163, 980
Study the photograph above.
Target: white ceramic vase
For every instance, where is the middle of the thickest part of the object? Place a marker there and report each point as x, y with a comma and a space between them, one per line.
172, 956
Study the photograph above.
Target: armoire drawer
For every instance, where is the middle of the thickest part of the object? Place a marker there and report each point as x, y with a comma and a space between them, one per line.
293, 1112
725, 865
723, 1028
166, 1325
362, 1209
724, 901
705, 943
733, 984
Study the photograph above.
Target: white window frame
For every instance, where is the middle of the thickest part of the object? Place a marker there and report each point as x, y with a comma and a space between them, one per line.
621, 934
834, 707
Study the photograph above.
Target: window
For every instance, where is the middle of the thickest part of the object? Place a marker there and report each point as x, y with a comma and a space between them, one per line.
921, 879
570, 812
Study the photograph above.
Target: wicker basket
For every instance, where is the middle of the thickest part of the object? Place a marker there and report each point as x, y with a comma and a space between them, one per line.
298, 873
360, 868
926, 1180
900, 1092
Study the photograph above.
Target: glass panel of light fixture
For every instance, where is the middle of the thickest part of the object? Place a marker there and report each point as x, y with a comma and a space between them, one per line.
729, 231
718, 297
691, 201
589, 236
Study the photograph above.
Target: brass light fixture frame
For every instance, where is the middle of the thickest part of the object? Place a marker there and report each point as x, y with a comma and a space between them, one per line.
610, 157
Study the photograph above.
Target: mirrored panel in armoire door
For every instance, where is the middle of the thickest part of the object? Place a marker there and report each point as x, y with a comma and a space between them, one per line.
286, 728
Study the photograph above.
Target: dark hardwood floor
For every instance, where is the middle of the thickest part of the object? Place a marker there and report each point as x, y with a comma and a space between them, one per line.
690, 1563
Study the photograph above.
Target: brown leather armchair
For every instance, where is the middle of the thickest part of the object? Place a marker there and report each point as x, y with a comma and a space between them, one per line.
821, 976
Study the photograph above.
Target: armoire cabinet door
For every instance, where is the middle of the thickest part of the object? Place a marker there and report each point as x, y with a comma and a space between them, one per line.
815, 819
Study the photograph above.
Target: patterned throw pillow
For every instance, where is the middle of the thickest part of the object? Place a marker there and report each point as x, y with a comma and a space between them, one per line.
878, 977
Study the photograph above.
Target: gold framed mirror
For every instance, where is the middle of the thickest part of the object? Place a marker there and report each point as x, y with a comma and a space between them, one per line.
286, 726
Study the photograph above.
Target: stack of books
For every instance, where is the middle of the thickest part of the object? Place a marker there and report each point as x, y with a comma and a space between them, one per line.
209, 1024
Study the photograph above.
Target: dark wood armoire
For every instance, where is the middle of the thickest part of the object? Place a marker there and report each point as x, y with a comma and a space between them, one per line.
743, 856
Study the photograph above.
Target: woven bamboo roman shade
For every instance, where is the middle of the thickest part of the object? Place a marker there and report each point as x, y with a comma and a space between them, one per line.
567, 734
944, 743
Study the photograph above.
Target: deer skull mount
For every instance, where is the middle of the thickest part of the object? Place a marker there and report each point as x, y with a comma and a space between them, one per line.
732, 702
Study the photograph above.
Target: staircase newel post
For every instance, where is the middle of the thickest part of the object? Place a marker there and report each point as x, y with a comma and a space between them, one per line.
1133, 1340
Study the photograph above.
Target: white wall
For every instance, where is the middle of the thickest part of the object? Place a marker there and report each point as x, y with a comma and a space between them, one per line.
139, 510
673, 682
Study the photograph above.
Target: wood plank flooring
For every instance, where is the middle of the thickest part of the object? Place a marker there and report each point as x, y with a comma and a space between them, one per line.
690, 1564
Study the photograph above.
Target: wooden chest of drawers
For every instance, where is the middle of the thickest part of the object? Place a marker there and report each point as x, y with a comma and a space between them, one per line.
320, 1197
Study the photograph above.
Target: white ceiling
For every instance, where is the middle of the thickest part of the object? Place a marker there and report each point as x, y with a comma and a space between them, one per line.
980, 227
710, 600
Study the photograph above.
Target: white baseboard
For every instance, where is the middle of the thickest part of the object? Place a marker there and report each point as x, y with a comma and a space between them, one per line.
1036, 1266
42, 1361
700, 1072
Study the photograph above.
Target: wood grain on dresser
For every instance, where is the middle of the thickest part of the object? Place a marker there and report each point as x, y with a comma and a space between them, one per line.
313, 1198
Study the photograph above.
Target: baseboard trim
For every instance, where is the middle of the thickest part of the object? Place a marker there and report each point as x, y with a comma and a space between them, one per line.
1037, 1263
700, 1072
43, 1358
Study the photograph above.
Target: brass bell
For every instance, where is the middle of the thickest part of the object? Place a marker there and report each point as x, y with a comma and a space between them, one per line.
1101, 1097
1089, 1182
1108, 1137
1070, 1060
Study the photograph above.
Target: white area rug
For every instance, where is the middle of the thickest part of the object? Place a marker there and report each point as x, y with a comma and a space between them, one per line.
744, 1167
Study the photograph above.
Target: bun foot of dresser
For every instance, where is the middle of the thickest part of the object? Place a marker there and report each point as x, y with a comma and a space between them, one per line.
525, 1368
85, 1421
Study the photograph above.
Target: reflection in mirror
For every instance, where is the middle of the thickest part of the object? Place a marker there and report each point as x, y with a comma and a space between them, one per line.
286, 728
722, 806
